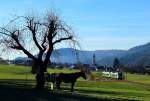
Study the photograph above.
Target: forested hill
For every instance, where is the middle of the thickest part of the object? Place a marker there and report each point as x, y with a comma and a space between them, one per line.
136, 55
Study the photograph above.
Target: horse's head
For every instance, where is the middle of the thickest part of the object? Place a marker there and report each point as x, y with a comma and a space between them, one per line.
83, 75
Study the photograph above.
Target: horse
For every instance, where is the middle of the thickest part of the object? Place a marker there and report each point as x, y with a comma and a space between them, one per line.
50, 78
69, 78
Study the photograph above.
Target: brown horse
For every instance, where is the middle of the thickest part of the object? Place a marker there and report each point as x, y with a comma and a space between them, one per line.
69, 78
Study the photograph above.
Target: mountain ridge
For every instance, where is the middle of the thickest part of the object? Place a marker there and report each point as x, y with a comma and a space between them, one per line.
133, 56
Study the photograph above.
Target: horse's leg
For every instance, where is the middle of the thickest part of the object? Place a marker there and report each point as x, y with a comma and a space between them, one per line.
58, 84
72, 86
52, 86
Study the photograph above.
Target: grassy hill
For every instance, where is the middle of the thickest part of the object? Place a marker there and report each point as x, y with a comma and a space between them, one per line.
17, 83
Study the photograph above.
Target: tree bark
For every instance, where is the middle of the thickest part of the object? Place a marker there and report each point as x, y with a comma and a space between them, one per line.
39, 68
40, 77
40, 80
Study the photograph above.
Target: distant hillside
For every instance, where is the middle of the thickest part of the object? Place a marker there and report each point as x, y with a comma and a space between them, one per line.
133, 56
69, 55
139, 55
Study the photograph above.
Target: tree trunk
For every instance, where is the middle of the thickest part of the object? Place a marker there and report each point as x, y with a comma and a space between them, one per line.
40, 80
34, 68
40, 77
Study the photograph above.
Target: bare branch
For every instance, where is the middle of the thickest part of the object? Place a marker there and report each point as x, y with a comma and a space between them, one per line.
16, 47
38, 34
33, 27
5, 31
44, 41
14, 41
62, 39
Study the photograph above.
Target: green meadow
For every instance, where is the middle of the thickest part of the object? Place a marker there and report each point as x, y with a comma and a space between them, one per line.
17, 83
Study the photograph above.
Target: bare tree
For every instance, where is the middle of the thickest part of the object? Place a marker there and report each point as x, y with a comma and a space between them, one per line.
36, 37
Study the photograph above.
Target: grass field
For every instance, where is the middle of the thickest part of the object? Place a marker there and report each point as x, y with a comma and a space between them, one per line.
17, 80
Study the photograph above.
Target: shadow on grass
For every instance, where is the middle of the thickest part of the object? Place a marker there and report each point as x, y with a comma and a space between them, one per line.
109, 93
21, 90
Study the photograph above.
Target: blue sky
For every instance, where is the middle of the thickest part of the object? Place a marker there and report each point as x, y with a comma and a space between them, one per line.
100, 24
